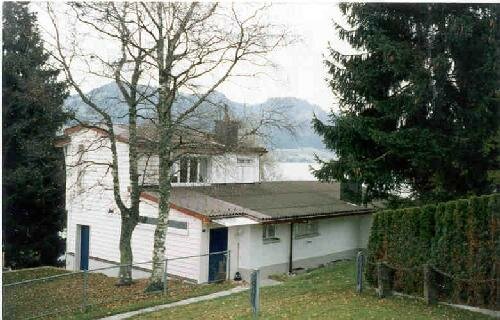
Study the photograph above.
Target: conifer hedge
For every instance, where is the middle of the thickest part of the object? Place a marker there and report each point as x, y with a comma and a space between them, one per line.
459, 238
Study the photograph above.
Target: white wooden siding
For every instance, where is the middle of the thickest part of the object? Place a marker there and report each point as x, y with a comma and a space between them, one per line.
225, 169
96, 208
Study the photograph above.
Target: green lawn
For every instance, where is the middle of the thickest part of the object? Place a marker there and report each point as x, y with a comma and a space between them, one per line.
326, 293
62, 296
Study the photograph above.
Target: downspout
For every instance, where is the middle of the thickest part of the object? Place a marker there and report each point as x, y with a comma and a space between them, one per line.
290, 261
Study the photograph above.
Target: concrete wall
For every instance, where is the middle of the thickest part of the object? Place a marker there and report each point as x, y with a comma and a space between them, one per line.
339, 238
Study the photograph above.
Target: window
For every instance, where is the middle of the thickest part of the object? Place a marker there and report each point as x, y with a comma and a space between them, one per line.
269, 234
192, 170
203, 169
178, 224
174, 178
148, 220
184, 170
246, 161
306, 230
178, 227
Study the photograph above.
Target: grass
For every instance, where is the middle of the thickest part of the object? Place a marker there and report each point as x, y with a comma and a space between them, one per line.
29, 274
326, 293
62, 296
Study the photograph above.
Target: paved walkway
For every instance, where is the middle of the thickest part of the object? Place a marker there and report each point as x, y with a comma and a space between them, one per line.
176, 304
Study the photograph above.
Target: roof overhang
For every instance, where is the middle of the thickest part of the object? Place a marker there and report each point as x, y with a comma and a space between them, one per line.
209, 147
244, 218
235, 221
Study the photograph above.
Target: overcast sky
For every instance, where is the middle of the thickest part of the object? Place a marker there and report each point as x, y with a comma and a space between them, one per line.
300, 70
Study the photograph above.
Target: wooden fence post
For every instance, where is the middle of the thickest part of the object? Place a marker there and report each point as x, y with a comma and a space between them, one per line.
430, 288
385, 280
254, 293
359, 271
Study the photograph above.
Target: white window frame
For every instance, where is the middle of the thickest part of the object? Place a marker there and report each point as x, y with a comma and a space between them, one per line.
269, 233
307, 229
177, 168
244, 161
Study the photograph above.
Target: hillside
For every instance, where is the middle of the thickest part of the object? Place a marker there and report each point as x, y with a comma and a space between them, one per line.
304, 142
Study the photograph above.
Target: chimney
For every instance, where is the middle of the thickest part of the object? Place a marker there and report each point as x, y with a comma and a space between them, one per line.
226, 130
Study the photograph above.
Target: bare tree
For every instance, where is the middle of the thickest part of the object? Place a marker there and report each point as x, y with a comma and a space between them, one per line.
197, 47
125, 70
173, 50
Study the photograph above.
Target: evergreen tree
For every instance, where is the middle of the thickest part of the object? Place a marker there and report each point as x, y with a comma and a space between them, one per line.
419, 104
33, 168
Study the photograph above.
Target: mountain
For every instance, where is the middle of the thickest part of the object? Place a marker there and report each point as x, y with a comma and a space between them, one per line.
298, 111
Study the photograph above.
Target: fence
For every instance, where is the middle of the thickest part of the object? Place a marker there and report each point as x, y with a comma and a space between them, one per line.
426, 280
82, 291
459, 238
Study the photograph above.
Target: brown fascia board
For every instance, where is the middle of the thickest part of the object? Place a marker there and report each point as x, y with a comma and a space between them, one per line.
186, 211
304, 218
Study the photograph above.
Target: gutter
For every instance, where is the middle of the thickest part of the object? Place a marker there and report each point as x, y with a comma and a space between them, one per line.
286, 219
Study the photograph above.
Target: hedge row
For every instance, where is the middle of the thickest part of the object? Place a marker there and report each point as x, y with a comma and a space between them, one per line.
461, 238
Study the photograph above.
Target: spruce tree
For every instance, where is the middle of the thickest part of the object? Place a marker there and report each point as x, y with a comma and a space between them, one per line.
419, 103
33, 168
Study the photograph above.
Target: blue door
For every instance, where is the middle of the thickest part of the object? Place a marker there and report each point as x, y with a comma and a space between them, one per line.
84, 247
217, 262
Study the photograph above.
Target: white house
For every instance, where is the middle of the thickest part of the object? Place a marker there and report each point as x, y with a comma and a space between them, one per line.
218, 203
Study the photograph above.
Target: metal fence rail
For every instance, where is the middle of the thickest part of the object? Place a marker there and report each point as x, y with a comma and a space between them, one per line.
84, 290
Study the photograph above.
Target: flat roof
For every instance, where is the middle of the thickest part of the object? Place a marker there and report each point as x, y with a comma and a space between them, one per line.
266, 201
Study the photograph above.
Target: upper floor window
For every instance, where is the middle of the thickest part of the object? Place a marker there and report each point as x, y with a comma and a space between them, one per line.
190, 170
269, 233
246, 161
306, 230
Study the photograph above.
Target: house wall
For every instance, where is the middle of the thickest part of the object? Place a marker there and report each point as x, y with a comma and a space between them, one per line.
221, 169
91, 202
205, 249
179, 243
226, 169
339, 238
94, 205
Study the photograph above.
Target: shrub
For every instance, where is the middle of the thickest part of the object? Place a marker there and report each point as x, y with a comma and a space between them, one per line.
459, 237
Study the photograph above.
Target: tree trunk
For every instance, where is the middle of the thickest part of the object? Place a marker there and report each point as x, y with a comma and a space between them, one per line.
166, 97
126, 257
156, 280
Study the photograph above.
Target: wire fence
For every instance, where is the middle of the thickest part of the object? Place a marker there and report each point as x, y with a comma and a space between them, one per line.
428, 281
87, 290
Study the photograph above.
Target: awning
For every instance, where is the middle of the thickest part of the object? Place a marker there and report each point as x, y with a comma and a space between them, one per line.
235, 221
